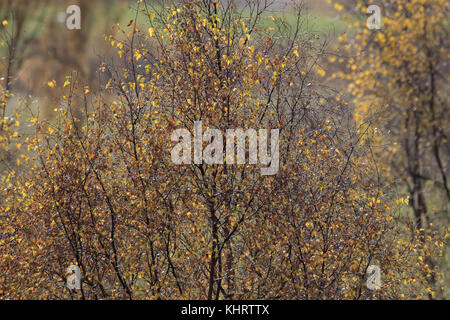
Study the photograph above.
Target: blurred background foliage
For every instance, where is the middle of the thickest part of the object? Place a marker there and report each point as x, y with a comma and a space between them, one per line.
38, 53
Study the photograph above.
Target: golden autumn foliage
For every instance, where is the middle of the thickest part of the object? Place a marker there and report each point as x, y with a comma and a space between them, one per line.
398, 80
100, 191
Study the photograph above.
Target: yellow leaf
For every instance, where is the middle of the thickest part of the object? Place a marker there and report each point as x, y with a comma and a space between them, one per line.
295, 52
151, 31
52, 84
338, 6
321, 72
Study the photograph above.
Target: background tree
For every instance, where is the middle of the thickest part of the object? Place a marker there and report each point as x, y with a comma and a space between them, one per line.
103, 194
399, 82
